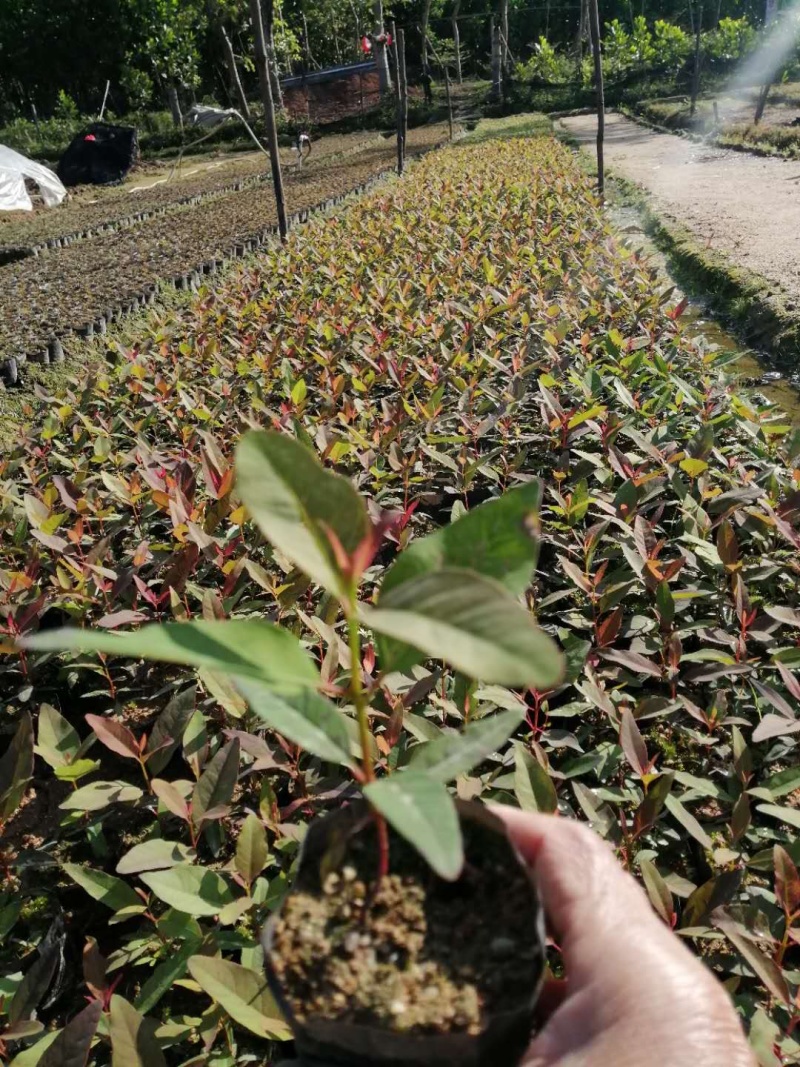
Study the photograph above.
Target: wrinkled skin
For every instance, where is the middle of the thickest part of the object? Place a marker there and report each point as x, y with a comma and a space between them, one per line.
634, 993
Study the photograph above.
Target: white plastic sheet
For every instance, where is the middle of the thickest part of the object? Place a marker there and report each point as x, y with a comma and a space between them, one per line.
14, 169
209, 117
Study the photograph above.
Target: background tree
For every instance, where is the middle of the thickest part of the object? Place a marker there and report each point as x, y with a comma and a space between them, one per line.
167, 35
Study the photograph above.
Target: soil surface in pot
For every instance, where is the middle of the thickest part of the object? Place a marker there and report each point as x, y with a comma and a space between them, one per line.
414, 954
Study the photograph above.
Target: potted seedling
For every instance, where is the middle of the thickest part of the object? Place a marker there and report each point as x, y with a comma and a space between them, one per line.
412, 933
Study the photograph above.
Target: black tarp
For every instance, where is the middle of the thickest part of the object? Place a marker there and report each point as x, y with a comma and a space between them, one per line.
99, 155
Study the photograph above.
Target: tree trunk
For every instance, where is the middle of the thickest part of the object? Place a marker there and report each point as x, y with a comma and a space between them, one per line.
237, 90
696, 70
379, 47
582, 28
446, 74
269, 113
497, 63
770, 12
268, 23
504, 45
426, 15
274, 76
457, 41
175, 105
594, 28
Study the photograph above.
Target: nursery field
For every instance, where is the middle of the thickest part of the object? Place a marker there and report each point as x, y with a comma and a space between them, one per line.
148, 191
106, 272
444, 340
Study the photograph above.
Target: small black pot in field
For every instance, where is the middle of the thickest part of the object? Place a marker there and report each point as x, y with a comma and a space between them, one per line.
410, 969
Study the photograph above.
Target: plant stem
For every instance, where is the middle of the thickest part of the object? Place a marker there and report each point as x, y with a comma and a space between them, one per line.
365, 734
357, 690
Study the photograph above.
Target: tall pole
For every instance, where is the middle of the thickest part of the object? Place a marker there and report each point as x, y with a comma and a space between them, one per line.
698, 29
594, 27
398, 93
262, 67
401, 55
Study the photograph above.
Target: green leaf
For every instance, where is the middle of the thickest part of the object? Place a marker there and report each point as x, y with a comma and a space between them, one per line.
453, 754
155, 855
33, 1056
72, 1044
533, 786
250, 647
216, 784
420, 809
57, 742
192, 890
242, 993
73, 772
303, 717
497, 539
165, 975
32, 989
791, 816
251, 849
16, 767
169, 727
688, 821
98, 795
133, 1041
111, 891
764, 968
290, 496
470, 622
693, 467
783, 782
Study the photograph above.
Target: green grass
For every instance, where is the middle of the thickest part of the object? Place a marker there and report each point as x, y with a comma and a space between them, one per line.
764, 139
526, 125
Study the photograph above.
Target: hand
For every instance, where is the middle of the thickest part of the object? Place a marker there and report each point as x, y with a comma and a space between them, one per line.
634, 992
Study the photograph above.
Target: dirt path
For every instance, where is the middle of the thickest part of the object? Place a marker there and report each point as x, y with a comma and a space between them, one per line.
746, 207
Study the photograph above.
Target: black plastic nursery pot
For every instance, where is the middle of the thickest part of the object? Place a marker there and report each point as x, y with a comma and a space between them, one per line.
472, 950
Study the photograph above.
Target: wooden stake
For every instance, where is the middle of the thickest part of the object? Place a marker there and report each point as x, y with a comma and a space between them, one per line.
398, 95
401, 55
594, 29
696, 70
269, 114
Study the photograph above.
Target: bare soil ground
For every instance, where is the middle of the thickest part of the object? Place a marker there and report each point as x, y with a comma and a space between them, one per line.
746, 207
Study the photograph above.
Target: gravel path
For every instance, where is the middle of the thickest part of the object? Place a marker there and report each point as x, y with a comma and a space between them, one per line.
744, 206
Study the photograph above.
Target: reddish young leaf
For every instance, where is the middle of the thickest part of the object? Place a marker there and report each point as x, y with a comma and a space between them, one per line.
171, 798
727, 545
609, 627
115, 736
658, 891
94, 968
632, 743
653, 803
787, 881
